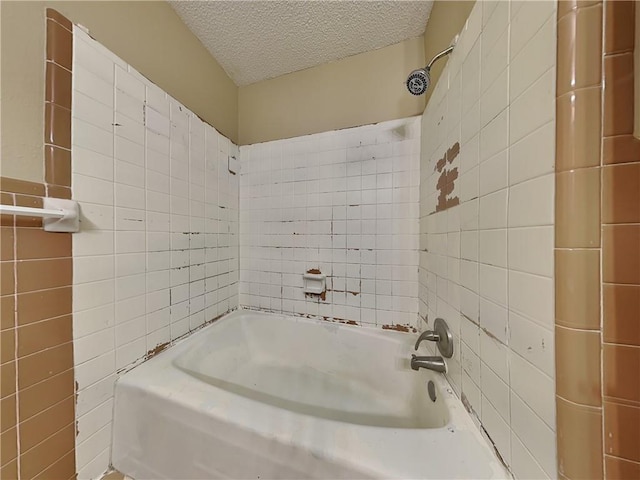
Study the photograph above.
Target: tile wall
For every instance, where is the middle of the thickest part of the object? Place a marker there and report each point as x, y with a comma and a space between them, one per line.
487, 225
597, 243
578, 240
620, 246
37, 395
157, 255
344, 203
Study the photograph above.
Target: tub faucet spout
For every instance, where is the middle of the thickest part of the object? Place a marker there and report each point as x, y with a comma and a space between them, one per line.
431, 363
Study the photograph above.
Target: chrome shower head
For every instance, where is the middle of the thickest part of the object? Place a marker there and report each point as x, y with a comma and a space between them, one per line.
418, 81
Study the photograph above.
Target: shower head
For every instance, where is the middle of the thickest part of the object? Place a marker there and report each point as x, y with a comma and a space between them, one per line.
418, 81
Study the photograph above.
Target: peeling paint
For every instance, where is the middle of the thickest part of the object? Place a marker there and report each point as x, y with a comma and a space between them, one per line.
446, 181
400, 328
154, 351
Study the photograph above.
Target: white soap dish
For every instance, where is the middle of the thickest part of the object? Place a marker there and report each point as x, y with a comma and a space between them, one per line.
314, 283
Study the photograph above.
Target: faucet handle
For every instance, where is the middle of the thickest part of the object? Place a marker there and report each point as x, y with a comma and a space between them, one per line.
441, 335
430, 335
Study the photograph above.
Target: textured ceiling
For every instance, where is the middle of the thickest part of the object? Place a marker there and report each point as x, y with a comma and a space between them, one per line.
256, 40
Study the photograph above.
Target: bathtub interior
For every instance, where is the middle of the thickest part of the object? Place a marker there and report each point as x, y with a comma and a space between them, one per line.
337, 372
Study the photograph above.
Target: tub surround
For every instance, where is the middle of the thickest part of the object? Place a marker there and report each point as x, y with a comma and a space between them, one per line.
487, 223
343, 204
157, 254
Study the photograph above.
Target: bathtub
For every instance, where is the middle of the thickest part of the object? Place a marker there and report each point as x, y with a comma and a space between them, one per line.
263, 396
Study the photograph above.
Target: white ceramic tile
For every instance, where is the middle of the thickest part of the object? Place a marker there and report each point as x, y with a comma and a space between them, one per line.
535, 388
129, 84
532, 296
535, 435
91, 164
494, 63
523, 463
493, 247
92, 295
530, 250
93, 60
496, 392
92, 321
128, 331
157, 122
535, 58
497, 429
92, 190
494, 137
93, 268
129, 129
91, 460
130, 352
494, 173
495, 354
92, 346
467, 186
129, 174
469, 245
90, 137
92, 396
494, 319
493, 210
532, 342
92, 111
92, 85
534, 107
532, 202
471, 78
494, 25
527, 20
533, 156
94, 420
128, 150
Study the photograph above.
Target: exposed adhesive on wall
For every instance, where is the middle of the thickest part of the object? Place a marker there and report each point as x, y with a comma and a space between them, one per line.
400, 328
446, 181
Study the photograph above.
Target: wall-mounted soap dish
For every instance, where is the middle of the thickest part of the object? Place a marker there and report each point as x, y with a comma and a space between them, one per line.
314, 283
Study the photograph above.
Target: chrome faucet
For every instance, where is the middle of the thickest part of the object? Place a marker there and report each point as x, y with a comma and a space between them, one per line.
430, 335
441, 335
431, 363
444, 340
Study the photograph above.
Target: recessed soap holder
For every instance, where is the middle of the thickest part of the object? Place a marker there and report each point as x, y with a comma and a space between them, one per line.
314, 283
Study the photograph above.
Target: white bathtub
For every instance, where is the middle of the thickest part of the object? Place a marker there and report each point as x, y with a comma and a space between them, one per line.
266, 396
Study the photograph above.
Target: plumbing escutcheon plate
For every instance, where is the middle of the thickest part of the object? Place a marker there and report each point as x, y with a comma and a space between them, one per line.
445, 343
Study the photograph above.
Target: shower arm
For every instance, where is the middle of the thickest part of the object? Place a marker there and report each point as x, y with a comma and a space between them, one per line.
447, 51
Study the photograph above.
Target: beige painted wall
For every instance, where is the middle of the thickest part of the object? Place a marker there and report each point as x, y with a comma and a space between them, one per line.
445, 22
362, 89
146, 34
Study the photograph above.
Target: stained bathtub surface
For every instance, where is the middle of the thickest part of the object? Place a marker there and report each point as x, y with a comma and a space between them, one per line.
267, 396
